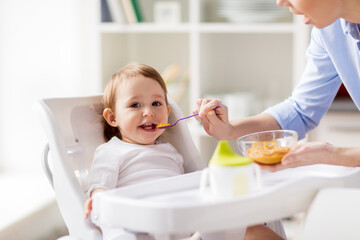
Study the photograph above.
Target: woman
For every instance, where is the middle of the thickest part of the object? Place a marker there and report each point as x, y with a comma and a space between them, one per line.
333, 57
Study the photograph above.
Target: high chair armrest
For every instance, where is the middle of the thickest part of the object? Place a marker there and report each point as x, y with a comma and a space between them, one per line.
45, 164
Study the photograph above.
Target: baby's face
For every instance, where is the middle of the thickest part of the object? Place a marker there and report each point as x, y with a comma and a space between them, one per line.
140, 106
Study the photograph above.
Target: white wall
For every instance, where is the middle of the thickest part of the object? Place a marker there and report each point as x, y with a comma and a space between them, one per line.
1, 74
45, 51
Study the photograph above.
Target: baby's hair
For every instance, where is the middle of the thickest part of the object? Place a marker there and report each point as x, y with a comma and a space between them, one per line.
109, 99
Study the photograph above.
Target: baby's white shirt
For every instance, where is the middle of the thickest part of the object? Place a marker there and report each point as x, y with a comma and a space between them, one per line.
117, 164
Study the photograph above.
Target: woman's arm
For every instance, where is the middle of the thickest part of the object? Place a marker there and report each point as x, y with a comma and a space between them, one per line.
257, 123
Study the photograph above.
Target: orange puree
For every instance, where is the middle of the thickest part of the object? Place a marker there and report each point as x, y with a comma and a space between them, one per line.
267, 152
163, 125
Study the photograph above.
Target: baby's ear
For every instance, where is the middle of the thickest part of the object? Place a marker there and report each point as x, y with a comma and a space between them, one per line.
110, 117
168, 109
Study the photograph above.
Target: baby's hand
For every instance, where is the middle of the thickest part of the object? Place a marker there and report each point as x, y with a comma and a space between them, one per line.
88, 207
88, 202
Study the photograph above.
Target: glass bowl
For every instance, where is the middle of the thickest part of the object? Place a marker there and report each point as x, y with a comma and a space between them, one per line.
267, 147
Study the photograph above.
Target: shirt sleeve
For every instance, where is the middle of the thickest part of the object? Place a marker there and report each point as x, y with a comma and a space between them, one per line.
104, 170
312, 97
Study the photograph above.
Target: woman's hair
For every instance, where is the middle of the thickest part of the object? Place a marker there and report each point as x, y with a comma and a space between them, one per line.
109, 99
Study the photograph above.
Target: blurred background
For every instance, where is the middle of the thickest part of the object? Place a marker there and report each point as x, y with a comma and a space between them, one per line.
246, 53
46, 50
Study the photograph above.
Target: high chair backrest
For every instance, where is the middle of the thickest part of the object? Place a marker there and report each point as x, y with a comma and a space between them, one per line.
73, 129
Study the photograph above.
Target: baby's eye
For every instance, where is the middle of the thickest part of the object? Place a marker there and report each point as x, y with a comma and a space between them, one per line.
135, 105
156, 104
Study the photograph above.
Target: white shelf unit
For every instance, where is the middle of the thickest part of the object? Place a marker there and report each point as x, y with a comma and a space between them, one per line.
340, 128
265, 59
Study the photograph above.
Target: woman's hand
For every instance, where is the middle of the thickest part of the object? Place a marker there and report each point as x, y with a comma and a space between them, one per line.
307, 154
215, 122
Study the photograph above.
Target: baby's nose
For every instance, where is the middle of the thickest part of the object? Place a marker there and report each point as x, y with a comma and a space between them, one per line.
148, 112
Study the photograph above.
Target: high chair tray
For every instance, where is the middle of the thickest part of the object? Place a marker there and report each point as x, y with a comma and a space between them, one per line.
175, 205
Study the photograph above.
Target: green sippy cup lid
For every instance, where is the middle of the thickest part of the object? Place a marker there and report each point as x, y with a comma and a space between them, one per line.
225, 156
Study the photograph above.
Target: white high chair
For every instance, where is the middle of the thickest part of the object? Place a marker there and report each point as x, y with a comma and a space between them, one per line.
334, 214
73, 129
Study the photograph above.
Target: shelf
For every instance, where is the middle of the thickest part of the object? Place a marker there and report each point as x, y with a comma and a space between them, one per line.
339, 128
202, 28
144, 28
247, 28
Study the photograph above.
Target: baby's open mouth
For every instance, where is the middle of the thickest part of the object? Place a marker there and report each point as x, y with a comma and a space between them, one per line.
148, 126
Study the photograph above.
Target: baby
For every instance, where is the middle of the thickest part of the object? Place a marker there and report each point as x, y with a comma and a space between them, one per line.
134, 103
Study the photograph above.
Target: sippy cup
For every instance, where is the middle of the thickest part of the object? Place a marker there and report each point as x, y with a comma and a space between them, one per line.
229, 174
